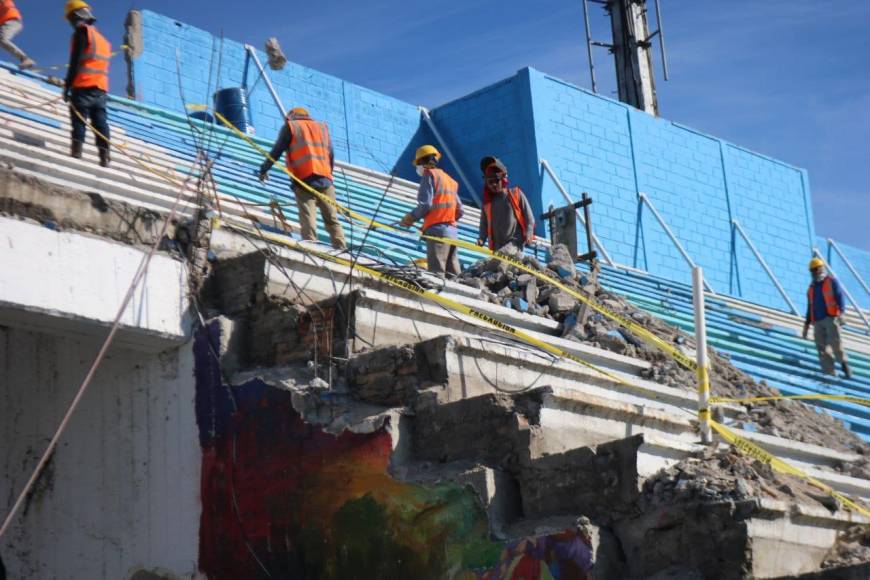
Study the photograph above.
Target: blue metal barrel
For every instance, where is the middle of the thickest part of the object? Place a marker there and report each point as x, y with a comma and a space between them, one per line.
232, 103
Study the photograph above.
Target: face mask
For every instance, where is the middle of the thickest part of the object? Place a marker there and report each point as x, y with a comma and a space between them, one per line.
420, 170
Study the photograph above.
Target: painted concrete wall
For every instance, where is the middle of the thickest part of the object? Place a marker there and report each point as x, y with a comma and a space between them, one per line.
121, 492
697, 182
89, 279
368, 128
316, 505
859, 259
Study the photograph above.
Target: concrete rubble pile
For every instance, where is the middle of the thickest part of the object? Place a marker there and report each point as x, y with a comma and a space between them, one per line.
511, 287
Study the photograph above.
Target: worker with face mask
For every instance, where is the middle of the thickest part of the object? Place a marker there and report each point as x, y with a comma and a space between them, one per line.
439, 206
506, 218
825, 310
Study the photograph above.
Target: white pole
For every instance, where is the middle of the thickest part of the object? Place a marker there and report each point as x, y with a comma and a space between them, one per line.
701, 347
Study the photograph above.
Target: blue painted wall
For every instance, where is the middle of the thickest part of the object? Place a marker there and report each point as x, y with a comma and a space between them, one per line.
697, 182
368, 128
859, 259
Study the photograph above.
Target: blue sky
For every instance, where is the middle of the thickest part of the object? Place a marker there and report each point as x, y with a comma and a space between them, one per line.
787, 78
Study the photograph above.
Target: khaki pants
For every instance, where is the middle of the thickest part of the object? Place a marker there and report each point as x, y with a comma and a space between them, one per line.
8, 30
308, 203
441, 258
826, 333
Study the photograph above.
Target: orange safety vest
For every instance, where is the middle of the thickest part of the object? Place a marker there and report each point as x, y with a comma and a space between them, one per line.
831, 305
445, 200
308, 153
8, 11
94, 63
514, 198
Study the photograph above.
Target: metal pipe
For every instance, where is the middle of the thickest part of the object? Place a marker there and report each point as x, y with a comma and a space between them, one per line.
253, 53
846, 292
764, 265
701, 355
644, 199
833, 244
661, 32
567, 197
589, 46
425, 112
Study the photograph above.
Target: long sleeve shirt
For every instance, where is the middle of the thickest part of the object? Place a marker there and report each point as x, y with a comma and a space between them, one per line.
79, 42
282, 144
425, 195
505, 228
818, 308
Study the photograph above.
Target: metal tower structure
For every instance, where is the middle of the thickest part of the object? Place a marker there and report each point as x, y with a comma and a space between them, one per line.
632, 51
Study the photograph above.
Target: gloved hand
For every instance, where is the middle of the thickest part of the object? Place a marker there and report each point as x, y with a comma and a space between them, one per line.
66, 95
806, 330
407, 221
530, 239
263, 175
479, 242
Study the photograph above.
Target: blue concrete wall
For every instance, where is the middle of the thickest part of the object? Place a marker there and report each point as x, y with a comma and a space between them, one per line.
859, 259
698, 184
368, 128
496, 121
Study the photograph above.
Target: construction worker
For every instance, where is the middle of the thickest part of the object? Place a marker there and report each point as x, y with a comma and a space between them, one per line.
10, 25
506, 218
439, 206
825, 310
310, 158
87, 80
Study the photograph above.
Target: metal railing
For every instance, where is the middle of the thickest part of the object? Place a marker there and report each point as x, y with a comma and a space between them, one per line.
642, 198
426, 117
252, 53
736, 225
607, 259
833, 245
846, 292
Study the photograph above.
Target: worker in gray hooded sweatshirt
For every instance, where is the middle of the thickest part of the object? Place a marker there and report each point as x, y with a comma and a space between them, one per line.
506, 217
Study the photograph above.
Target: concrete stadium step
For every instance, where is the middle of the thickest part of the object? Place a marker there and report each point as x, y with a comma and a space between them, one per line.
383, 315
576, 407
503, 433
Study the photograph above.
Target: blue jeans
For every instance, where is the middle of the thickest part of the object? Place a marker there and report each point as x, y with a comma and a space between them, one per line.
91, 103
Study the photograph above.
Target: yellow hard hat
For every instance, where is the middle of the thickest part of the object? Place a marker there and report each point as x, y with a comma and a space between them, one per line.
426, 151
299, 112
73, 5
816, 262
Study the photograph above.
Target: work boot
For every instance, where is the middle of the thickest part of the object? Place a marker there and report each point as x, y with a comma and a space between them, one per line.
104, 157
846, 370
76, 149
26, 63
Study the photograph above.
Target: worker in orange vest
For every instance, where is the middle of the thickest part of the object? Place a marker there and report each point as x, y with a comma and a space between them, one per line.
506, 218
10, 25
309, 157
825, 310
439, 206
87, 80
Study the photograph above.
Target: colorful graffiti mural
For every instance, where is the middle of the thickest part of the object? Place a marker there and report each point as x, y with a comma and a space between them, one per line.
283, 499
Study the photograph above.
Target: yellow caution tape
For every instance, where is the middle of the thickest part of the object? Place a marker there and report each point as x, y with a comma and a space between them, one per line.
752, 450
450, 304
745, 400
630, 325
743, 445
